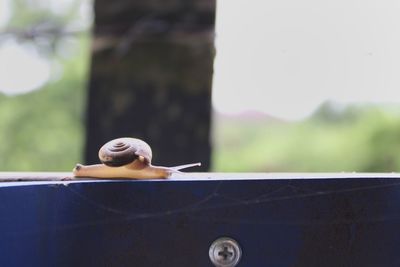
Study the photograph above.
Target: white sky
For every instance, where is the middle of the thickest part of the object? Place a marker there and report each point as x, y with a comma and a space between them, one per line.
282, 57
4, 13
21, 69
285, 57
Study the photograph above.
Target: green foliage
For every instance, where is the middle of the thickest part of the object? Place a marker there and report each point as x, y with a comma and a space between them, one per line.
359, 138
28, 13
43, 130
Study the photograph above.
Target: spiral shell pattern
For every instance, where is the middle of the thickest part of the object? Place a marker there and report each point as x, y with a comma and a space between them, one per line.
121, 151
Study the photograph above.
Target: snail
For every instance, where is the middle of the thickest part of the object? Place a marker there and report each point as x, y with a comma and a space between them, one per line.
127, 158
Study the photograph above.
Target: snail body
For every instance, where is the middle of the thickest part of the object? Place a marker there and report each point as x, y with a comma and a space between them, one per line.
127, 158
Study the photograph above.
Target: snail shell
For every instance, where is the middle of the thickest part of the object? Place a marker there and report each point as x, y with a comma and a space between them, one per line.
128, 158
121, 151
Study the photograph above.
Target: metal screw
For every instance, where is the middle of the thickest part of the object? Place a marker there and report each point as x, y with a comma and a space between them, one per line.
225, 252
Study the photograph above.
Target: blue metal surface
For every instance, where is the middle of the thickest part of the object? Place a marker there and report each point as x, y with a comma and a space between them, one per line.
278, 222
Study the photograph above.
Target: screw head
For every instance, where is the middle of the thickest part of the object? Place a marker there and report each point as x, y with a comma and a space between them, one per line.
225, 252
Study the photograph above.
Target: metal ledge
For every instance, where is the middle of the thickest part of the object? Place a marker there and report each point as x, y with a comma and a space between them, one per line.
195, 176
277, 219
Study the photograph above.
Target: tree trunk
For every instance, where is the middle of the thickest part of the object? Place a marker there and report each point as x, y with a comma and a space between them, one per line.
151, 77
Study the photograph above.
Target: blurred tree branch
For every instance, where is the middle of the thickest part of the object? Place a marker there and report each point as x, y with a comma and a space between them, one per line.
41, 30
38, 24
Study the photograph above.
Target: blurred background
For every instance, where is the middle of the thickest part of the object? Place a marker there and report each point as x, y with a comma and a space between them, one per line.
307, 86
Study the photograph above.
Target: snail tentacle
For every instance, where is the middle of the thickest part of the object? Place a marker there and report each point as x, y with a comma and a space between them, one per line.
185, 166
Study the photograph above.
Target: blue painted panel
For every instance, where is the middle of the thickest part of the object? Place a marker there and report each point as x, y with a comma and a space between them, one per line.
278, 222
